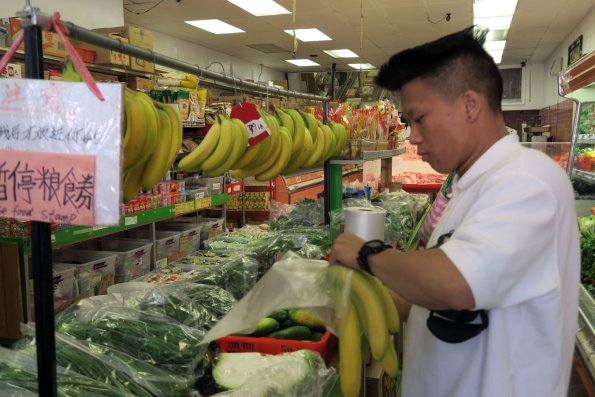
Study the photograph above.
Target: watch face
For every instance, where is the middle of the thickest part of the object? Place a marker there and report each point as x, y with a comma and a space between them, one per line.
375, 244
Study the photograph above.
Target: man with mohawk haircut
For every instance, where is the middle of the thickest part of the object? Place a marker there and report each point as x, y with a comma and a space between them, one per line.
494, 297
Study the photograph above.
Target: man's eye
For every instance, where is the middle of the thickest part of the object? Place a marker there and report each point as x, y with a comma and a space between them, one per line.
419, 119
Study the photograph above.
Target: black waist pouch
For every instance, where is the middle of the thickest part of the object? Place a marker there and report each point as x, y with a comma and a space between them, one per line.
457, 326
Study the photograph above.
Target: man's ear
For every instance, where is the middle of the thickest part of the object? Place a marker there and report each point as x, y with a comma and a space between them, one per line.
473, 104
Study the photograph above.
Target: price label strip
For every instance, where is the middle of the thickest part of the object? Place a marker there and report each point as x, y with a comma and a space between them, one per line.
202, 203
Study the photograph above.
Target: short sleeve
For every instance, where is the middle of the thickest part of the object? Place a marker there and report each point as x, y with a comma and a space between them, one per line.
504, 246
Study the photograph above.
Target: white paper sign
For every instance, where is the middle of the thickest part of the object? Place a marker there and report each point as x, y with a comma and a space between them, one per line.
64, 117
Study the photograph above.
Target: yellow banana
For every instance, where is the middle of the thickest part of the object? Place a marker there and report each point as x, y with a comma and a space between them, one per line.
131, 185
240, 137
300, 128
350, 353
299, 158
194, 159
152, 120
273, 153
243, 132
177, 132
388, 304
329, 147
253, 155
286, 121
223, 149
368, 301
281, 162
310, 120
317, 149
339, 132
155, 167
390, 360
134, 139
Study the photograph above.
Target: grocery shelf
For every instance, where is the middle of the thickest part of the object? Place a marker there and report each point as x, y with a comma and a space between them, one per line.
585, 336
58, 61
584, 175
316, 181
75, 234
588, 139
371, 155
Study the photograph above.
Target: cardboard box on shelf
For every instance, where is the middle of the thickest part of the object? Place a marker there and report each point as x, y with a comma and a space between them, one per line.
136, 36
140, 83
51, 43
105, 78
13, 71
103, 56
378, 382
281, 83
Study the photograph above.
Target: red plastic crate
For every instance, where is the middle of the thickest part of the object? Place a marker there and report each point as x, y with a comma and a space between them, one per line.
326, 346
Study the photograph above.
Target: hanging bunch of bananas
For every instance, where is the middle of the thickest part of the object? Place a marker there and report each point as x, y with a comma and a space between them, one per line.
370, 310
224, 144
152, 140
297, 140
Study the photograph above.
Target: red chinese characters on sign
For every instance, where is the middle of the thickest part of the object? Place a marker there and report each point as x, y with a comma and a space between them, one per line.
47, 187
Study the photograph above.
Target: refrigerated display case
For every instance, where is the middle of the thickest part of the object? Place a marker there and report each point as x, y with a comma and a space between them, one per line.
577, 83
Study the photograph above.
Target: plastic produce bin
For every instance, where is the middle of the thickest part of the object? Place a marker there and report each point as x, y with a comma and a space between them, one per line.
133, 258
192, 231
211, 227
167, 244
94, 271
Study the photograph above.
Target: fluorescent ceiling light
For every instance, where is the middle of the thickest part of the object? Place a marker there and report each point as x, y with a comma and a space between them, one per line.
496, 54
309, 34
215, 26
302, 62
363, 66
260, 8
494, 45
495, 23
495, 35
345, 53
493, 8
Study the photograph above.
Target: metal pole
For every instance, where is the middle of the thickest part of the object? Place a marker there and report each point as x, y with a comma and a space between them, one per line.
100, 40
41, 252
328, 188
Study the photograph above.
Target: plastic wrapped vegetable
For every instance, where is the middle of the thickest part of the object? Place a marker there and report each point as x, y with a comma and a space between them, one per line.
297, 374
18, 377
238, 275
151, 337
195, 305
306, 212
114, 368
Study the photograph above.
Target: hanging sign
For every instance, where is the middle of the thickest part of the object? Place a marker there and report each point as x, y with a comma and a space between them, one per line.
255, 124
60, 152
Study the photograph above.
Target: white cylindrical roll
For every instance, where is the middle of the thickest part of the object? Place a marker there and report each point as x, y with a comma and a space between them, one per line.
365, 222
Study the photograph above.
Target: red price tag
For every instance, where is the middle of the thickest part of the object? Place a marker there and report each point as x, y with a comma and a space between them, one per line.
256, 126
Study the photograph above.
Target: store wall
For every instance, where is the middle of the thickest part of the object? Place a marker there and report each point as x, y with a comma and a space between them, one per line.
201, 56
533, 89
90, 14
559, 58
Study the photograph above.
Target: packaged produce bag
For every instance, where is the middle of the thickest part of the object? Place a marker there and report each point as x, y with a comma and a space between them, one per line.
291, 282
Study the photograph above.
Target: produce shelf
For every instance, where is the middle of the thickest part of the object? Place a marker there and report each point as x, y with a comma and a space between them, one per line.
371, 155
585, 336
584, 175
588, 139
75, 234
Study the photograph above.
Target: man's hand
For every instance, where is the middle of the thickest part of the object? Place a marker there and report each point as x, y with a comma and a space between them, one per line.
345, 250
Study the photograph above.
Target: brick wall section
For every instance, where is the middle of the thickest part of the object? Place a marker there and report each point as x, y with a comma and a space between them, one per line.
559, 117
514, 118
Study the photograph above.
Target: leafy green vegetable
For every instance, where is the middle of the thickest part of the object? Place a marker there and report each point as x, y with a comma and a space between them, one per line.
150, 337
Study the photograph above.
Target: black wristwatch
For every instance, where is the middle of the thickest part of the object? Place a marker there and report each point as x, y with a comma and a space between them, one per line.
371, 247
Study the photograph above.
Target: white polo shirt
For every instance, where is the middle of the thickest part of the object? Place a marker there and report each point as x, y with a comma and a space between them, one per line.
516, 243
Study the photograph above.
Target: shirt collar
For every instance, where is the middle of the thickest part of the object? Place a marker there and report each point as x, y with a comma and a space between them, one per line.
503, 147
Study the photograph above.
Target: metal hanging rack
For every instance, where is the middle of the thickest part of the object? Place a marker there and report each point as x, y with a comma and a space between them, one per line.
33, 24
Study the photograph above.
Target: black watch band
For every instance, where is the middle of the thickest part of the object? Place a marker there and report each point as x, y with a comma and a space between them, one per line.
371, 247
